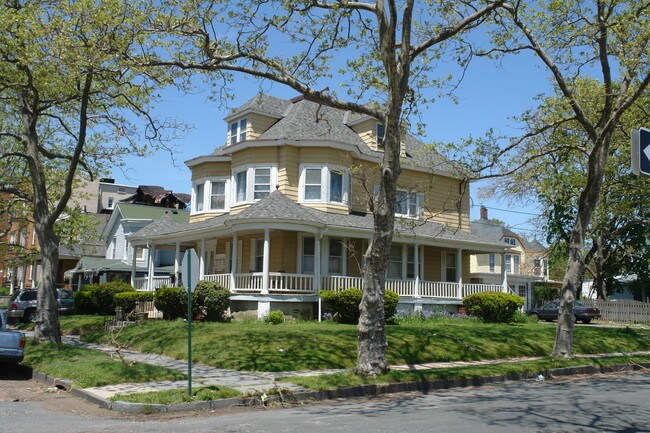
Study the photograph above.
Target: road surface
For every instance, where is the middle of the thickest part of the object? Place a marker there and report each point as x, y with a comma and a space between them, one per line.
613, 403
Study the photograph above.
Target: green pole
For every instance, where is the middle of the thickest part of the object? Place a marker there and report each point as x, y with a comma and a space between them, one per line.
189, 327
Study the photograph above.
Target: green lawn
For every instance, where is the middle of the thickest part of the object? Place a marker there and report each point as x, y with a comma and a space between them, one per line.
312, 345
74, 324
176, 396
348, 378
87, 368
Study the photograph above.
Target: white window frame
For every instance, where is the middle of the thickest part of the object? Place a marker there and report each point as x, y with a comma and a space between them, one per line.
325, 184
250, 181
510, 240
240, 131
410, 195
110, 203
301, 254
513, 263
139, 253
445, 266
492, 262
343, 257
206, 184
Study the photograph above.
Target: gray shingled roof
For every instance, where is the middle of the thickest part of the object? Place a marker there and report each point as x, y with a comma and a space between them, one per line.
163, 225
276, 206
307, 120
279, 207
488, 229
264, 103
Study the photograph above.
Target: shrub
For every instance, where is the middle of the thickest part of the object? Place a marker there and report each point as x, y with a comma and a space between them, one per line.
275, 317
172, 301
493, 307
345, 304
210, 299
99, 298
126, 300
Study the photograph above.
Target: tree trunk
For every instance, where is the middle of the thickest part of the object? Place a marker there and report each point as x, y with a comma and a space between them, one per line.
371, 349
599, 264
47, 325
563, 346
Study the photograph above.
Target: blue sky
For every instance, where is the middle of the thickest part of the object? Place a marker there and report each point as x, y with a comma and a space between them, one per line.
488, 97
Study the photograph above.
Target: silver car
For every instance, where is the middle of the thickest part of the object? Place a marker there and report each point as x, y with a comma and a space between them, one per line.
22, 304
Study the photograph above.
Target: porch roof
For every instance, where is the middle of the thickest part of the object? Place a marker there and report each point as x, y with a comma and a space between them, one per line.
277, 208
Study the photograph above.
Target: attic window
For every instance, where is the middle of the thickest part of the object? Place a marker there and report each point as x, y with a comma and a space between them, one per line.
237, 131
510, 241
380, 132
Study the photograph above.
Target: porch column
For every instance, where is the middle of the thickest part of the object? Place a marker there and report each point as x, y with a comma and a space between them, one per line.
177, 261
459, 272
317, 274
266, 260
152, 267
504, 275
202, 260
233, 260
133, 263
416, 270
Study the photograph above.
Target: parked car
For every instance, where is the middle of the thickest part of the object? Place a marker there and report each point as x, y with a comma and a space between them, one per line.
22, 304
550, 311
12, 343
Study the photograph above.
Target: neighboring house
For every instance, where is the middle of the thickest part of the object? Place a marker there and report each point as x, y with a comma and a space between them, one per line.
153, 195
99, 196
281, 211
18, 246
630, 288
524, 262
121, 260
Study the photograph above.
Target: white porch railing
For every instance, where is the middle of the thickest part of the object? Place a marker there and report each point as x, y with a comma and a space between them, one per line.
280, 282
470, 289
438, 289
141, 284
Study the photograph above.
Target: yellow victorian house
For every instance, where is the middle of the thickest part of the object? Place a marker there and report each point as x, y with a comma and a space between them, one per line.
281, 212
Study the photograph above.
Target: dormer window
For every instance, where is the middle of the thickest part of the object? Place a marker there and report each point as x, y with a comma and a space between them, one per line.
510, 241
237, 131
380, 132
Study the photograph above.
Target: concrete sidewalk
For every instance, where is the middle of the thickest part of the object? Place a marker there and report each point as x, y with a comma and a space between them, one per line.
247, 382
202, 375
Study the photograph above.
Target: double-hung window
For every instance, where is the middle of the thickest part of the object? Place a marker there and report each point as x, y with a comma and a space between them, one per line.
395, 261
209, 195
313, 183
253, 182
240, 185
308, 255
492, 262
323, 184
407, 204
450, 267
262, 185
336, 257
237, 131
510, 241
512, 263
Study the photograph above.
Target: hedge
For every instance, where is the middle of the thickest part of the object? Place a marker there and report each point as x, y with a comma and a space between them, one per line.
493, 307
172, 301
99, 298
126, 300
345, 304
211, 300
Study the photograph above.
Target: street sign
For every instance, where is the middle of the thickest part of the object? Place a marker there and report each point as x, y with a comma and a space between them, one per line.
641, 152
190, 269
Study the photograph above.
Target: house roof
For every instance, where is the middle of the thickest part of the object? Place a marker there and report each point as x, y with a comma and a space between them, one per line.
488, 229
305, 120
136, 211
277, 207
95, 265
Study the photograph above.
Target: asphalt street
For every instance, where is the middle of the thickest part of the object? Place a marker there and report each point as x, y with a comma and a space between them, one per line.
613, 403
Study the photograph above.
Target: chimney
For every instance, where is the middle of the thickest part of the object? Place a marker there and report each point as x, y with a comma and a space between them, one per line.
484, 213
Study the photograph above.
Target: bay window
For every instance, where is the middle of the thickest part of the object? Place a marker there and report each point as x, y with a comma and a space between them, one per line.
253, 182
323, 184
209, 195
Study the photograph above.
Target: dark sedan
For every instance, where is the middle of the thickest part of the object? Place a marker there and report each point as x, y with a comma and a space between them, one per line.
549, 312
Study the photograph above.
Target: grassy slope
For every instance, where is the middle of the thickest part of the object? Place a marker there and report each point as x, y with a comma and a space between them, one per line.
309, 345
87, 368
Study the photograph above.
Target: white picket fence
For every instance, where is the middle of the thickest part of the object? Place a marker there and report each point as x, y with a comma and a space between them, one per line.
626, 311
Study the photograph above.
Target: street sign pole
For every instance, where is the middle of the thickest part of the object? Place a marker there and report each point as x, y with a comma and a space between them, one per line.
189, 327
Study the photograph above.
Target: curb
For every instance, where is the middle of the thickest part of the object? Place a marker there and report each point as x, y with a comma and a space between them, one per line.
348, 392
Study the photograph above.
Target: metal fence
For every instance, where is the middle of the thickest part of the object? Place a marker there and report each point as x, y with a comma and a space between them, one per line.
626, 311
